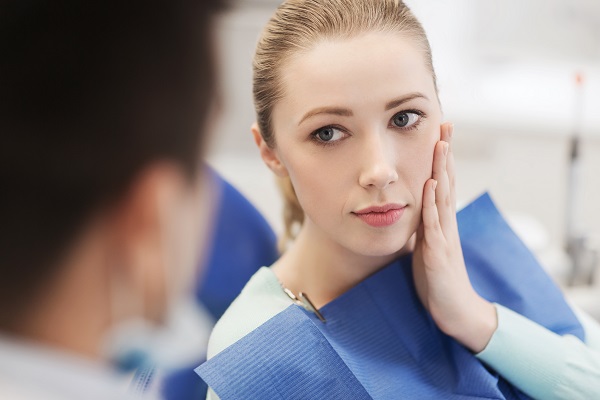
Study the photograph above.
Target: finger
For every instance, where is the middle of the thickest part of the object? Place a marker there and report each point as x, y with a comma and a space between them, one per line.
432, 231
420, 232
450, 165
446, 132
442, 192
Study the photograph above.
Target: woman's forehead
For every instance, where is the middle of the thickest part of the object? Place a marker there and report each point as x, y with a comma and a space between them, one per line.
374, 68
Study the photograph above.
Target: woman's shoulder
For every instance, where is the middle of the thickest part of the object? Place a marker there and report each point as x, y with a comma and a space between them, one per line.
261, 299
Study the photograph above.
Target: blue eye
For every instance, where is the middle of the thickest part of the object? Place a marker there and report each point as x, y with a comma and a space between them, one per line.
325, 134
405, 119
328, 134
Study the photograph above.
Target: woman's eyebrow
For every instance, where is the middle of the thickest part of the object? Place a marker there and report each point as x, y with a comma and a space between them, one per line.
401, 100
344, 112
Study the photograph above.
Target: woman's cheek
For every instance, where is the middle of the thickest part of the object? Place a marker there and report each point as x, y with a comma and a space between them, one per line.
421, 167
418, 160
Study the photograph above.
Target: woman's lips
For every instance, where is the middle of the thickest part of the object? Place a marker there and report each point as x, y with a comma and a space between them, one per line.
379, 216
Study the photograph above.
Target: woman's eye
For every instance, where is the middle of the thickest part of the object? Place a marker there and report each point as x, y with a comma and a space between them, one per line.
405, 119
328, 134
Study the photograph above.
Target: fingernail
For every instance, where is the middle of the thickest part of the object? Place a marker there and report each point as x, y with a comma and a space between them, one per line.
446, 145
450, 130
434, 185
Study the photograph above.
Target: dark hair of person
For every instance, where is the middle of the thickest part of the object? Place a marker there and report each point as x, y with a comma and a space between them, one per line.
91, 92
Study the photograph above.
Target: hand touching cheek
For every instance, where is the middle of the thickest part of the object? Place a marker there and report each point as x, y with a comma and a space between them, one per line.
439, 268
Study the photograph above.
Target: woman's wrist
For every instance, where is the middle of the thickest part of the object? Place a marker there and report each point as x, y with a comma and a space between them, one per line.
475, 328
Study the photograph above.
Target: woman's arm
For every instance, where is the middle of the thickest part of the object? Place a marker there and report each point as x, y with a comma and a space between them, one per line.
541, 363
590, 326
534, 359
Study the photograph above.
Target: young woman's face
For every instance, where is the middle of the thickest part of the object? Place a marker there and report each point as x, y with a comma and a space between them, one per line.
355, 131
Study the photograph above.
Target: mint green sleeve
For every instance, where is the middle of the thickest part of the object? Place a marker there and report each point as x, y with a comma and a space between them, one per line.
541, 363
211, 395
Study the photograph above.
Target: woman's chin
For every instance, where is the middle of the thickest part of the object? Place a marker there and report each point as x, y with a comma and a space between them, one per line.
381, 249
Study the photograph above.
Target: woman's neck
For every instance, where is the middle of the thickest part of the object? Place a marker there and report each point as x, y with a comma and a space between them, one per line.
322, 268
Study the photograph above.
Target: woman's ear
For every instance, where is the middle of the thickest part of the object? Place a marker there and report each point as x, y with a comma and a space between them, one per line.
268, 154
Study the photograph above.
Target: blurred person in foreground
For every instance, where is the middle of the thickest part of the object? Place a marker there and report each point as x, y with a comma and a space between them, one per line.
104, 109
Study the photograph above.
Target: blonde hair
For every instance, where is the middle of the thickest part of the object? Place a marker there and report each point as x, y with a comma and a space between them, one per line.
297, 26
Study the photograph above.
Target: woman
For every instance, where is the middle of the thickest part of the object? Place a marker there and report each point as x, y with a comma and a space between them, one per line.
349, 119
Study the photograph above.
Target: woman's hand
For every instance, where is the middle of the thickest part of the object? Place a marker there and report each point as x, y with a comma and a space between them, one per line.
439, 268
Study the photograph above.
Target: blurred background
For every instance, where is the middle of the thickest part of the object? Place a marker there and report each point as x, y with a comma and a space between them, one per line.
521, 82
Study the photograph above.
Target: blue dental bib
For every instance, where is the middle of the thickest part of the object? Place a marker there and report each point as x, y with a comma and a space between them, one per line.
378, 341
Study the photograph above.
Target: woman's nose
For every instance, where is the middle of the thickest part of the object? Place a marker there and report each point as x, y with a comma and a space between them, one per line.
379, 166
